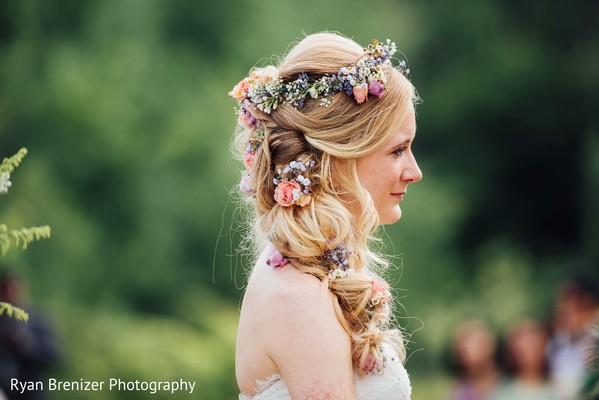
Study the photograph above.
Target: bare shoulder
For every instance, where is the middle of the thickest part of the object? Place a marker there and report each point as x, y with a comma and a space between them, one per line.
304, 338
285, 297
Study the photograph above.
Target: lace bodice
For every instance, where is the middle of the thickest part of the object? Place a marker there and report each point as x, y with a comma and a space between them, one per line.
392, 384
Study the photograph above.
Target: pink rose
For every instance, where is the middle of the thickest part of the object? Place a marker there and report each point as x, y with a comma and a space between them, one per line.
380, 292
376, 88
382, 288
240, 90
275, 259
248, 159
361, 92
284, 192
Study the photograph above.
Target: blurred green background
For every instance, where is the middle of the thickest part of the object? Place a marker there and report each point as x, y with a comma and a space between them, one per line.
123, 106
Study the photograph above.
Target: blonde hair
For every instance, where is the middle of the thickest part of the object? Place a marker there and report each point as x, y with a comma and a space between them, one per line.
334, 137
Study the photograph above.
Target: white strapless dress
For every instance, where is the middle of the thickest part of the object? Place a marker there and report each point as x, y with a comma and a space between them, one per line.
392, 384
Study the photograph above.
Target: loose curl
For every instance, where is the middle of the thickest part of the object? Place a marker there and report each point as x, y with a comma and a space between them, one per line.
334, 137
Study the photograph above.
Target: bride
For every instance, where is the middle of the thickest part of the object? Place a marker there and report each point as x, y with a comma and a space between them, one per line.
326, 140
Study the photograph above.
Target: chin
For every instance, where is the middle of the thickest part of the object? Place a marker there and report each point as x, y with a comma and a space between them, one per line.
391, 217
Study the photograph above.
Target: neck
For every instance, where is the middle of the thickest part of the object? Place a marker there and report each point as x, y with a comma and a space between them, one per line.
484, 377
532, 376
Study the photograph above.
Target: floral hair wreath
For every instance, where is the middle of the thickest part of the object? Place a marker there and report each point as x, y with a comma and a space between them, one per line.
265, 91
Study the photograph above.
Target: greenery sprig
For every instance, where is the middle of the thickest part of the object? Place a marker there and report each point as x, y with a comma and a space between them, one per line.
12, 311
10, 163
20, 237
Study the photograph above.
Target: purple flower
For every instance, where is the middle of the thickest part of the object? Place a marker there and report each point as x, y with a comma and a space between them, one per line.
376, 88
245, 185
247, 120
339, 256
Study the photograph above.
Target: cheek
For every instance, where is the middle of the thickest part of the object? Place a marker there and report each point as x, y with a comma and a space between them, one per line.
387, 179
376, 187
378, 177
367, 176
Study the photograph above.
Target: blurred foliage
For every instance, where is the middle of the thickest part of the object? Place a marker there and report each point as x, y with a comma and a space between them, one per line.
124, 105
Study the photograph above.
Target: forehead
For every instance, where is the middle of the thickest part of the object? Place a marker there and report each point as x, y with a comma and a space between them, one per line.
406, 129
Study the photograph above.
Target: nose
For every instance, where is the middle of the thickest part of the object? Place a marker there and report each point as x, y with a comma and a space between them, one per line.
412, 173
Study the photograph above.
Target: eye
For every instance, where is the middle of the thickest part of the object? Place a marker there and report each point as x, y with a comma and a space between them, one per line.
400, 150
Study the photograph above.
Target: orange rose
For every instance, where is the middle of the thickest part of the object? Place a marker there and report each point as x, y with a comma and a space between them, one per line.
361, 92
284, 192
240, 90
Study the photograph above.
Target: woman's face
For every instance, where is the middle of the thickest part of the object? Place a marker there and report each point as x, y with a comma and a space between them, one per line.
387, 172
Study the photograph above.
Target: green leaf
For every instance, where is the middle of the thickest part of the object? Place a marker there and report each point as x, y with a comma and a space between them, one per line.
12, 311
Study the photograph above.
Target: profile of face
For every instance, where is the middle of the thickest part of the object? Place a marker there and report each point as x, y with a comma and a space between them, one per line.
387, 172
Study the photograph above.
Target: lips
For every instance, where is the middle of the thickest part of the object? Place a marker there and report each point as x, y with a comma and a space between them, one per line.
399, 195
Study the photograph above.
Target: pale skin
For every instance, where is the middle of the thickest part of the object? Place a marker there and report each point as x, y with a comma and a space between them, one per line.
387, 172
288, 324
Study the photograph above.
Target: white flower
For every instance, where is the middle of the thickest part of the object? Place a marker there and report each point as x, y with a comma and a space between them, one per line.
5, 182
339, 273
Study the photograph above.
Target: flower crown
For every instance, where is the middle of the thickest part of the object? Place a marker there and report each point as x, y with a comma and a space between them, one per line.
265, 90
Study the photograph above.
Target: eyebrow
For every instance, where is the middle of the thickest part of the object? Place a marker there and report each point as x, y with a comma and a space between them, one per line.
400, 144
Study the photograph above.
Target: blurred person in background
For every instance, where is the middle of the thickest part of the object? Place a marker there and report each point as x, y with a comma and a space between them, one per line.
571, 343
474, 357
526, 364
27, 348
